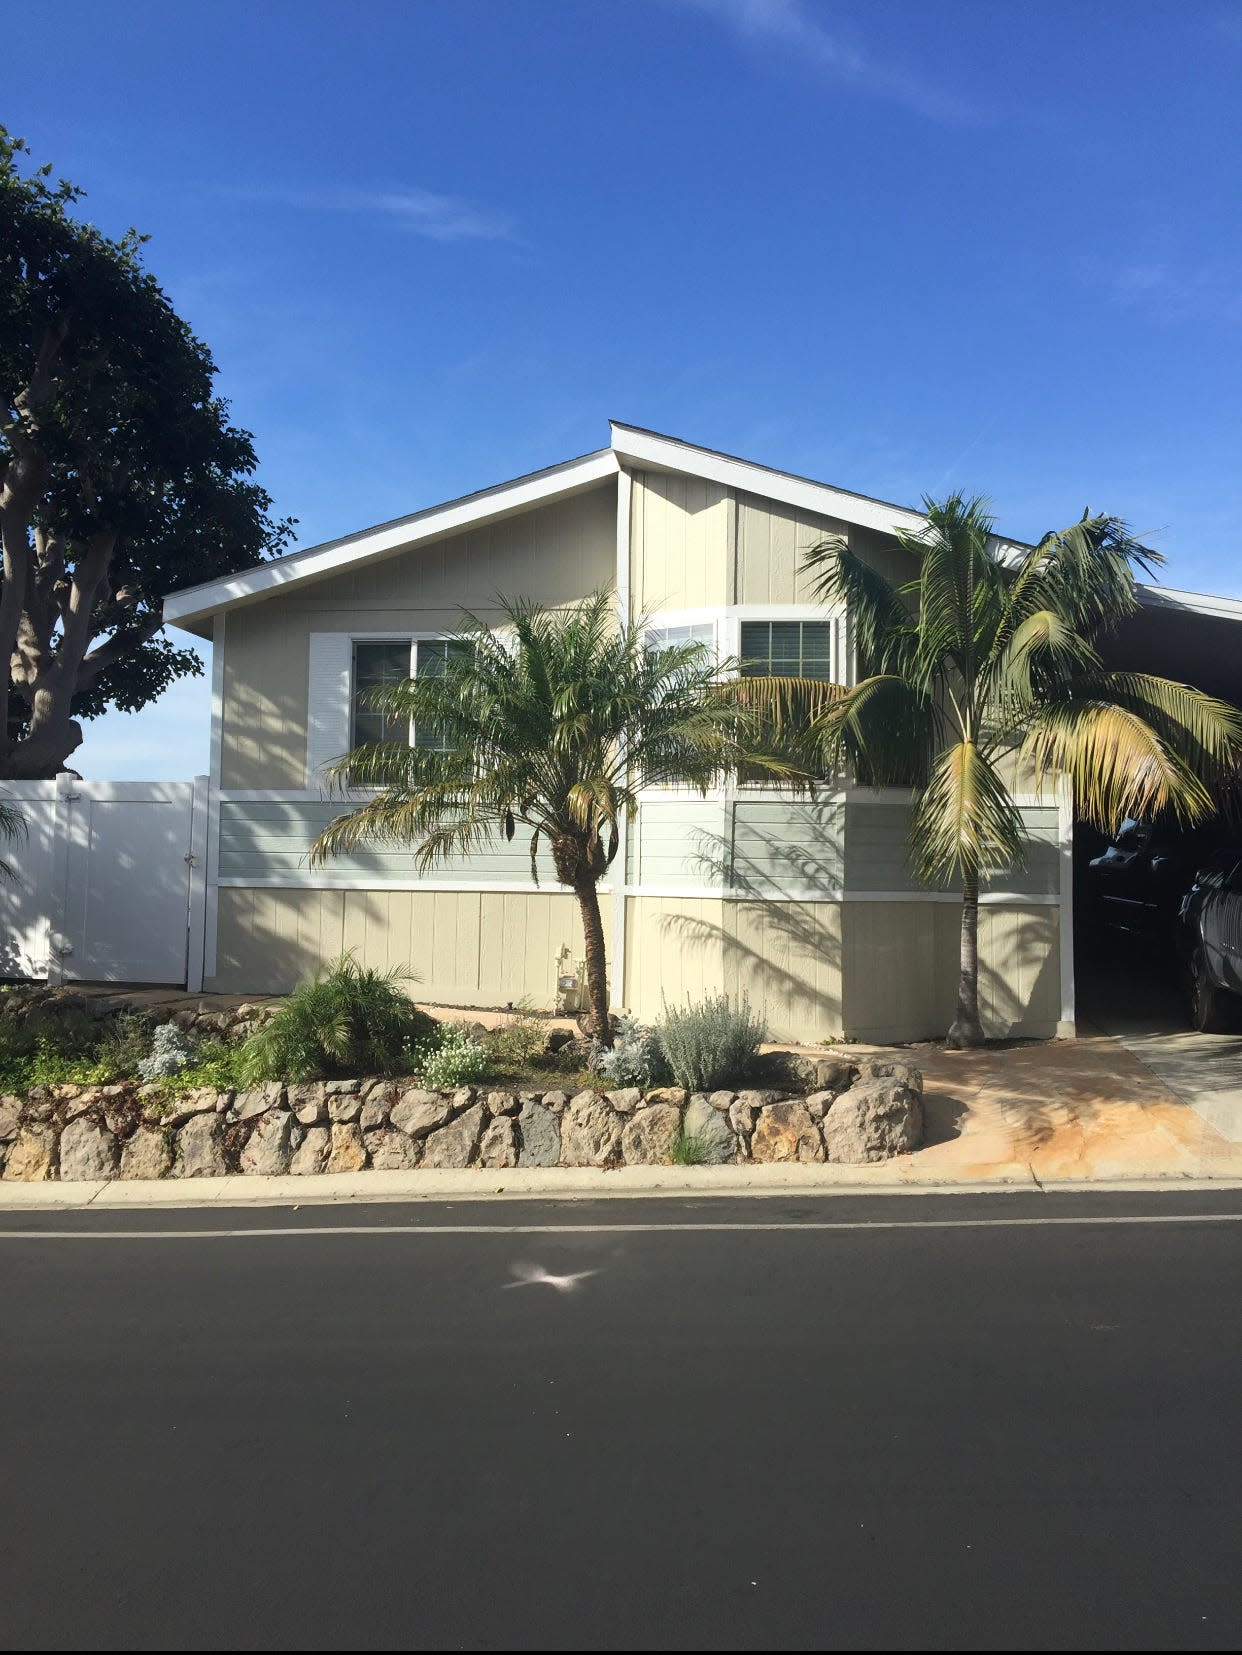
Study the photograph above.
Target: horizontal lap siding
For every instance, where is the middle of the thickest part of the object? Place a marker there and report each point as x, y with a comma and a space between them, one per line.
681, 843
789, 846
270, 840
877, 851
482, 948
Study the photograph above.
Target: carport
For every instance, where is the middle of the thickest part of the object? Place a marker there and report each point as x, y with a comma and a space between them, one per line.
1126, 981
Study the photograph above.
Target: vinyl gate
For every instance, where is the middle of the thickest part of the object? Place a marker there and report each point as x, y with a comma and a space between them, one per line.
110, 881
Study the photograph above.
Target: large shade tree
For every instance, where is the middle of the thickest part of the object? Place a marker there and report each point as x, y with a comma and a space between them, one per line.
981, 671
121, 476
548, 721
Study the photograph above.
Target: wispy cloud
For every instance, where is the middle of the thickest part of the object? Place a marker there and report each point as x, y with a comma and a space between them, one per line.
420, 212
799, 29
1169, 290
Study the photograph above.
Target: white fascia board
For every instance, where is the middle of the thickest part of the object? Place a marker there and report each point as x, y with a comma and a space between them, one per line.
1194, 603
189, 609
647, 448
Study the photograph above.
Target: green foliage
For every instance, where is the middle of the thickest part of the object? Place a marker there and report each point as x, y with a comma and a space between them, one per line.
517, 1044
454, 1059
347, 1020
689, 1150
711, 1043
214, 1064
124, 478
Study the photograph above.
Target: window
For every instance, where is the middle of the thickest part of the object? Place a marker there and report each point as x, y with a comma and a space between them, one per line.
786, 649
666, 637
377, 665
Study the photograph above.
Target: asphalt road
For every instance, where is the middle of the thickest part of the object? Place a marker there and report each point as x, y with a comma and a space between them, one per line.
378, 1428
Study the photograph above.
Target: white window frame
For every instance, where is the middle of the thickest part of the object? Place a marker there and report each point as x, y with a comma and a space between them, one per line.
330, 692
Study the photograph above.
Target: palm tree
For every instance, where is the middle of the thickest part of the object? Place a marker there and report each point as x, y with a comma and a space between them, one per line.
980, 670
551, 722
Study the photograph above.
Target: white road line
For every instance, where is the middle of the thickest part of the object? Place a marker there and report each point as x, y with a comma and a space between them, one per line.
424, 1231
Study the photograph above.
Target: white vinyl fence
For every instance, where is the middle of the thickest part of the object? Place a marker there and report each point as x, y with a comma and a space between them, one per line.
110, 881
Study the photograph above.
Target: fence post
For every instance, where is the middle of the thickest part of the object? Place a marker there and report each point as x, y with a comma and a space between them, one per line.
196, 862
59, 942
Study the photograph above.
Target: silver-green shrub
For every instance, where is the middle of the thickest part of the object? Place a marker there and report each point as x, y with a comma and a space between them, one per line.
169, 1054
711, 1043
633, 1059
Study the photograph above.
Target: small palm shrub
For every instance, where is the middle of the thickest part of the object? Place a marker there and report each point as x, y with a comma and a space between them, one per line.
347, 1020
454, 1059
633, 1059
707, 1044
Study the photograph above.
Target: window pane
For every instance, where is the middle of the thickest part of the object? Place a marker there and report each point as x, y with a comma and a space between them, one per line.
431, 655
665, 637
377, 665
787, 649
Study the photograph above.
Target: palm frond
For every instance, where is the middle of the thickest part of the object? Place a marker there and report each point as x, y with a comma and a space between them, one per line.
964, 821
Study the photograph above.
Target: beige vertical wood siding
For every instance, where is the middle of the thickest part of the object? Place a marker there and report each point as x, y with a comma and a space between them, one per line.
468, 948
900, 969
681, 535
784, 956
554, 554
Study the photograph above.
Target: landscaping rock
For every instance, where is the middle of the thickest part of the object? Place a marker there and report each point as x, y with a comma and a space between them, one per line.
721, 1100
306, 1100
373, 1114
86, 1151
343, 1107
885, 1068
185, 1106
200, 1145
311, 1155
453, 1145
555, 1101
676, 1095
541, 1136
499, 1146
463, 1097
419, 1113
590, 1131
348, 1153
759, 1098
626, 1101
648, 1137
818, 1104
341, 1088
712, 1129
742, 1117
391, 1151
147, 1154
874, 1120
257, 1102
501, 1103
786, 1132
81, 1102
10, 1118
32, 1159
270, 1145
557, 1039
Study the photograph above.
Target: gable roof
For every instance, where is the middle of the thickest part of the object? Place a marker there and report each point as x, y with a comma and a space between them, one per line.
193, 607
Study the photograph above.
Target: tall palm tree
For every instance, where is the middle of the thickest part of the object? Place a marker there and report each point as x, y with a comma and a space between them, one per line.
550, 721
981, 670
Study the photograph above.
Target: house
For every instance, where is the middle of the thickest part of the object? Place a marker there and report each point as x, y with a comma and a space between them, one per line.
808, 906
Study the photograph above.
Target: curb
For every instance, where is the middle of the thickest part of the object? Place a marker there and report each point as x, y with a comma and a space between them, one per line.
559, 1184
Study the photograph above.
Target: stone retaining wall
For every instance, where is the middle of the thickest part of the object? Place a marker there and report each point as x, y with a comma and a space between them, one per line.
857, 1113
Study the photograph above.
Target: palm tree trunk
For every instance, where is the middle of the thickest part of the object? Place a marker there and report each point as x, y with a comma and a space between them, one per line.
966, 1029
596, 1021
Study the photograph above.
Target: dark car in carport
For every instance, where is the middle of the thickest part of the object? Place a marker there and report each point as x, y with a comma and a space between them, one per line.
1211, 943
1137, 883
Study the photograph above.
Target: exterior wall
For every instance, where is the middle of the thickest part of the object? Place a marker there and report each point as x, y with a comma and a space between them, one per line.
900, 968
554, 554
681, 539
784, 956
468, 948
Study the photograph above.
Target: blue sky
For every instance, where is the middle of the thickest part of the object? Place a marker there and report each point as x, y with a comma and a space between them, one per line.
901, 247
